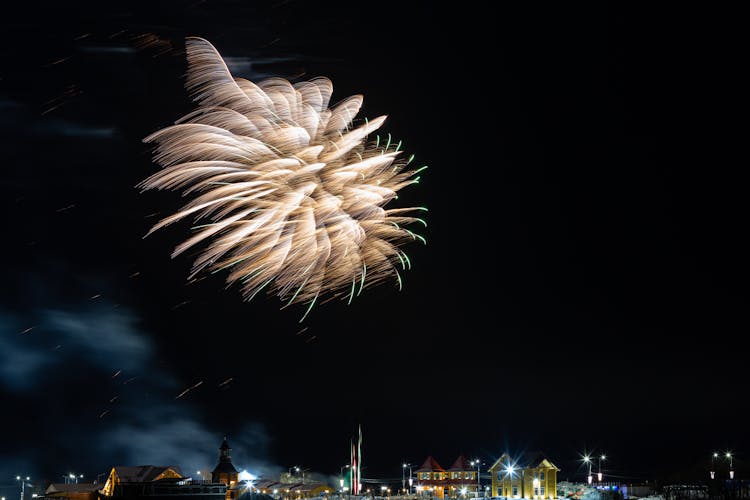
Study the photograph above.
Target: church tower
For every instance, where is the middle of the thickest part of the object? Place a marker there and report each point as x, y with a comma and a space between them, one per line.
225, 471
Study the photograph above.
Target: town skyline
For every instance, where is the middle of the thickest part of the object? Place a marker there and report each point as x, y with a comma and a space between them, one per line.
582, 288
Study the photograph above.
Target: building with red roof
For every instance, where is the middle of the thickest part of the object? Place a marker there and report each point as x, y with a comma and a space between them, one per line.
459, 480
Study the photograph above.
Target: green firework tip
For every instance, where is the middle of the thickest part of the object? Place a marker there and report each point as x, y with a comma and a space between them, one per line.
259, 289
403, 264
421, 220
312, 303
307, 268
362, 283
398, 146
389, 142
351, 294
230, 264
420, 169
424, 209
377, 141
297, 292
411, 158
398, 276
251, 275
416, 236
408, 262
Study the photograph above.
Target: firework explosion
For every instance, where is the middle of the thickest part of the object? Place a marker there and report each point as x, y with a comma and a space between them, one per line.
286, 194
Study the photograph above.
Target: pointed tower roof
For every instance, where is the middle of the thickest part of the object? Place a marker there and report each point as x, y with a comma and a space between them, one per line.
461, 464
430, 465
225, 465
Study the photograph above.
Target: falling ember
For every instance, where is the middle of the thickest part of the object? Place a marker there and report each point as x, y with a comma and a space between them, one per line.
227, 381
117, 373
287, 194
194, 386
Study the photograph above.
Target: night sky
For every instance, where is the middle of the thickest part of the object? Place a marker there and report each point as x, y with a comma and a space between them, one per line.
584, 286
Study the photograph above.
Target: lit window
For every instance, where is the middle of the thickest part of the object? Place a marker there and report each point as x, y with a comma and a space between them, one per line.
541, 475
541, 490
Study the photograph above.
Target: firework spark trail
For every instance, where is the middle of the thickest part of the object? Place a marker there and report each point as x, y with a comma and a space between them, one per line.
194, 386
286, 194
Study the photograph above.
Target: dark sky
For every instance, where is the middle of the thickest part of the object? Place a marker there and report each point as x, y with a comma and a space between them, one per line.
584, 286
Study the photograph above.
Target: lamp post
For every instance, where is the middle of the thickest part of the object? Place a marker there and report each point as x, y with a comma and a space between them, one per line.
587, 460
403, 474
731, 468
712, 472
23, 484
478, 464
599, 474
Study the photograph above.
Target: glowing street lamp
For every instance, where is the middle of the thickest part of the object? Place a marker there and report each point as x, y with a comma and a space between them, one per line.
403, 474
23, 484
587, 460
599, 474
731, 468
713, 465
478, 463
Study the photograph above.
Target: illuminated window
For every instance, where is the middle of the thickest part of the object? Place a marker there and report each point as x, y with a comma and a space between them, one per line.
515, 491
541, 475
541, 490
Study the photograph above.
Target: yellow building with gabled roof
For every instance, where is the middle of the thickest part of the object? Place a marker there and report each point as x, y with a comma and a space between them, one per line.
532, 476
138, 474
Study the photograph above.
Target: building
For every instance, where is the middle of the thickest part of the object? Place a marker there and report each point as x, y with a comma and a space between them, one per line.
224, 472
121, 477
153, 482
459, 480
73, 491
532, 476
292, 491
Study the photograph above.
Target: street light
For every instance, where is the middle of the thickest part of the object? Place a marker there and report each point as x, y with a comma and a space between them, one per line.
599, 474
731, 468
712, 472
403, 472
587, 460
478, 464
23, 484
